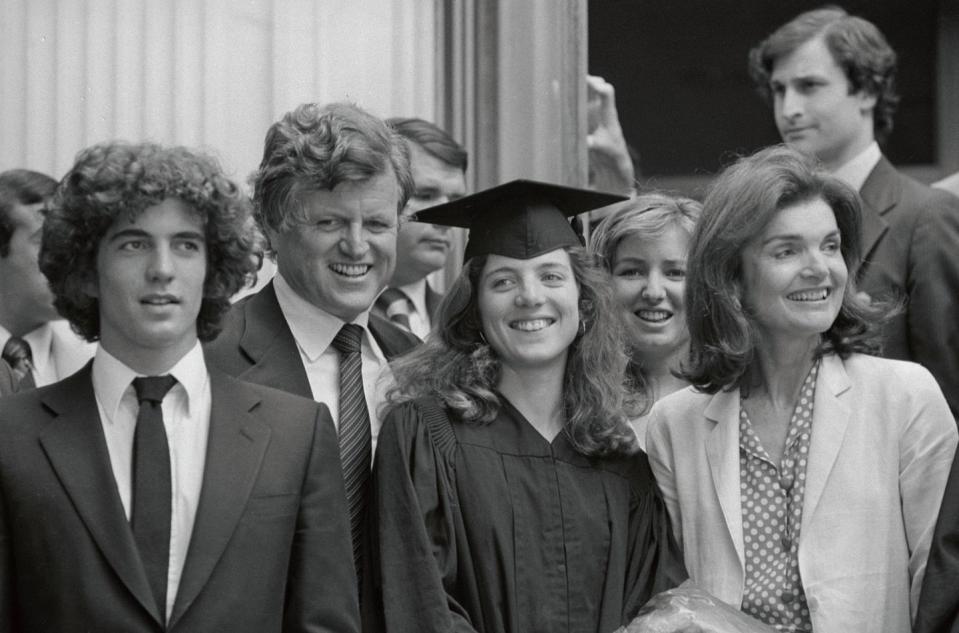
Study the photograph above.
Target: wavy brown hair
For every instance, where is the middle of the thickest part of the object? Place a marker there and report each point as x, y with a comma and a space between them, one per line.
857, 46
315, 148
723, 334
458, 367
111, 181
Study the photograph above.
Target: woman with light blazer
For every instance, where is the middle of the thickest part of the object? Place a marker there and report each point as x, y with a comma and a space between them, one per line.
802, 475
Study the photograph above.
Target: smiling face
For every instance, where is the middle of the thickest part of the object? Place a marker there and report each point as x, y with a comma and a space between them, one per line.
794, 275
422, 248
815, 111
342, 253
529, 309
150, 275
649, 279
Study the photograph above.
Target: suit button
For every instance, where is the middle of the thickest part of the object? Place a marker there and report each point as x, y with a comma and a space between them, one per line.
787, 597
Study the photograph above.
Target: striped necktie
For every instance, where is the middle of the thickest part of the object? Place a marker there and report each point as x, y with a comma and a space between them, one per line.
397, 306
354, 432
19, 356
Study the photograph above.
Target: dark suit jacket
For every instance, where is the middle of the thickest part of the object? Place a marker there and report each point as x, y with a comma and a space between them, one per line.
270, 549
911, 249
256, 344
938, 610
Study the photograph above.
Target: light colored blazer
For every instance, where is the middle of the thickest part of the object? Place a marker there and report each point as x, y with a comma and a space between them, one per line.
883, 440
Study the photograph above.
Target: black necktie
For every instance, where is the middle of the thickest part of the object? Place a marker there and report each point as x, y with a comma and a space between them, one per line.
152, 495
19, 356
354, 431
396, 305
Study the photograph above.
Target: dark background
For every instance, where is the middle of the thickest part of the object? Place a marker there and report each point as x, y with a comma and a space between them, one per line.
685, 99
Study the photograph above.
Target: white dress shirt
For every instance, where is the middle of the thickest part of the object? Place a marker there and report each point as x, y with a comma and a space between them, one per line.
419, 314
855, 171
186, 418
56, 351
314, 331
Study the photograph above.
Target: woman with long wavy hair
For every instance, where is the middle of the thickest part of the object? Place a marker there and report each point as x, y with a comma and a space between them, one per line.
802, 472
510, 494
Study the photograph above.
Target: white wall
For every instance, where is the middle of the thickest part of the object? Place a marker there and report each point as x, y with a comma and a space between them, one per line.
203, 73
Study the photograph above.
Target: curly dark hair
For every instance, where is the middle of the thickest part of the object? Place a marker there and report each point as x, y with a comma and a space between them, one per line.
856, 45
318, 147
742, 201
110, 181
458, 367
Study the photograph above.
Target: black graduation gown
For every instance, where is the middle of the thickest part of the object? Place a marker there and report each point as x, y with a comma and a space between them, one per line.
938, 610
490, 528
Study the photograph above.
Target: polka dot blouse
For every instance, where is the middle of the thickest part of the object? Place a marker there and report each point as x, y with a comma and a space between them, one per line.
772, 498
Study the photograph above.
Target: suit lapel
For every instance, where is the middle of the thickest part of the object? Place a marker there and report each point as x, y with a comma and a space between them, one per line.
269, 343
77, 450
235, 451
830, 420
879, 194
722, 453
391, 339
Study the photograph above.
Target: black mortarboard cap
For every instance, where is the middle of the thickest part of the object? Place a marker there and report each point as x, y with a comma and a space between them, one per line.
520, 219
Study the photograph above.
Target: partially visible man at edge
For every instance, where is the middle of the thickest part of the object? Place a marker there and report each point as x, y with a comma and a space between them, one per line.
830, 78
438, 164
35, 341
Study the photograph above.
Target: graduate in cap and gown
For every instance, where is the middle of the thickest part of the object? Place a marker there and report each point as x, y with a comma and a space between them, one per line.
509, 492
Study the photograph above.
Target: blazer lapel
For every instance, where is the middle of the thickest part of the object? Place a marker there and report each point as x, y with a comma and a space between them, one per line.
879, 194
77, 450
235, 451
269, 343
722, 453
830, 420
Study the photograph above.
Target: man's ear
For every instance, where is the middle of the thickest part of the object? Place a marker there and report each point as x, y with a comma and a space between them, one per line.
867, 101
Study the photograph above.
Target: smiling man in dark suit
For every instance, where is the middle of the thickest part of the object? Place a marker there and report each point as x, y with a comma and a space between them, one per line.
328, 194
146, 492
830, 78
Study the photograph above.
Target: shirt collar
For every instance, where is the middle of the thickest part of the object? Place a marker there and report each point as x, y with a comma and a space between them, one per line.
112, 378
416, 293
40, 341
314, 328
855, 171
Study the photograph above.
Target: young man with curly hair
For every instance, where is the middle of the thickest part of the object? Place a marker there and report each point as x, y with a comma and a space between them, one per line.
147, 492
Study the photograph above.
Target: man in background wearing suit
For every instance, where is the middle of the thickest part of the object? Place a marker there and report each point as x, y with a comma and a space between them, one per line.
831, 80
144, 492
328, 194
34, 340
438, 164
